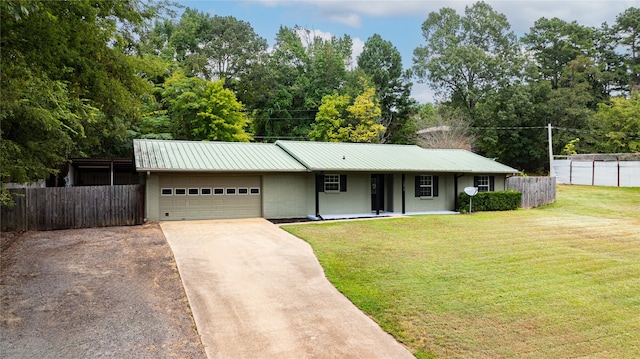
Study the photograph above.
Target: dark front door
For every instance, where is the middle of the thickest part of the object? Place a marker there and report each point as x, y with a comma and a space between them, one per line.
377, 192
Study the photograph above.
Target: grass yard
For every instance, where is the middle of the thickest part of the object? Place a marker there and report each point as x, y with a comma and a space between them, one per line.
561, 281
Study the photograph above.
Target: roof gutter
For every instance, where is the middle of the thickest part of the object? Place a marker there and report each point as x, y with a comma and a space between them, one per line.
259, 170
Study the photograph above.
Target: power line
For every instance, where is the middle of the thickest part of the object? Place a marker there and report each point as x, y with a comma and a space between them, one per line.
626, 135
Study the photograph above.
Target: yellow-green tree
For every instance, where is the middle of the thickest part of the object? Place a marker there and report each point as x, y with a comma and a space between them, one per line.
340, 120
620, 121
204, 110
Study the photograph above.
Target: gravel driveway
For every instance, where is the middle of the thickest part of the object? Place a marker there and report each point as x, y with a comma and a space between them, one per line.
99, 292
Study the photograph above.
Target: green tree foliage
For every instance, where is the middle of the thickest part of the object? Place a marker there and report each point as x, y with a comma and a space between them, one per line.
467, 57
340, 120
69, 86
382, 63
619, 120
302, 69
627, 33
613, 76
326, 67
203, 110
275, 92
554, 43
210, 47
510, 126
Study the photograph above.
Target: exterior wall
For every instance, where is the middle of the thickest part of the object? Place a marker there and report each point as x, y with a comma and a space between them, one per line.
357, 198
444, 201
286, 195
152, 198
467, 181
292, 195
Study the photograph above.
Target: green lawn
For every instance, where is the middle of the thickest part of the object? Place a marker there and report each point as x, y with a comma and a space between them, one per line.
561, 281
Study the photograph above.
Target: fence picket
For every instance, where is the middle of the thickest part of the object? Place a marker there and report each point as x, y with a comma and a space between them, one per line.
536, 191
73, 207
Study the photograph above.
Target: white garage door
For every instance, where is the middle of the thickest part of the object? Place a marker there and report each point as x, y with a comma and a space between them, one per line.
210, 197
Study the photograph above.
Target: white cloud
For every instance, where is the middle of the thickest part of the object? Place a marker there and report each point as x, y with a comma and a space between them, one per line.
357, 47
352, 20
520, 13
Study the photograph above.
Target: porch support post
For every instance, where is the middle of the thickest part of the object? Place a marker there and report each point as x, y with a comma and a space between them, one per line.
319, 184
377, 195
403, 194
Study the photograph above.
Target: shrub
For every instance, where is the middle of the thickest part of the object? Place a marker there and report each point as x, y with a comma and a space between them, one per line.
490, 201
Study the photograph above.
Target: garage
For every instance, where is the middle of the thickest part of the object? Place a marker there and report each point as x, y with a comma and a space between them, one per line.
185, 197
187, 180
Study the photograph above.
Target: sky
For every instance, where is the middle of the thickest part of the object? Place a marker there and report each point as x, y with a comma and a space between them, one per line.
397, 21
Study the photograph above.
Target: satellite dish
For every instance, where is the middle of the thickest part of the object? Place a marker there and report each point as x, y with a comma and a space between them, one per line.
471, 191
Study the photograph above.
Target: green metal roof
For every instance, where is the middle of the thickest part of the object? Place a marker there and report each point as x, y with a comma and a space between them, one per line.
332, 156
299, 156
188, 156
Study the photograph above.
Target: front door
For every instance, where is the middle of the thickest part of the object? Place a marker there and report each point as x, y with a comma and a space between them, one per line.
377, 192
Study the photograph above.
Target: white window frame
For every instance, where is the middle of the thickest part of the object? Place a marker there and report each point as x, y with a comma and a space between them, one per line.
193, 194
175, 191
226, 191
202, 190
254, 191
426, 186
332, 183
165, 189
484, 184
241, 189
215, 190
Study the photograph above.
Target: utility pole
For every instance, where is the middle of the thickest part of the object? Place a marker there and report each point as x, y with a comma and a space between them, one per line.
552, 172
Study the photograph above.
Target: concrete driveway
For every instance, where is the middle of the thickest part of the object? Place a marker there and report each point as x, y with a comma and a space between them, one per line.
258, 292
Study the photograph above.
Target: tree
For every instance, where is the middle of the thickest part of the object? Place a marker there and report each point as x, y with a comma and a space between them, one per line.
326, 69
218, 47
340, 120
612, 71
443, 128
69, 84
554, 43
292, 82
204, 110
627, 31
511, 126
619, 120
275, 93
467, 57
382, 63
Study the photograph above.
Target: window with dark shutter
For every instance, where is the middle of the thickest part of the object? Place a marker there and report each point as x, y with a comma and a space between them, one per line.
484, 183
426, 186
331, 183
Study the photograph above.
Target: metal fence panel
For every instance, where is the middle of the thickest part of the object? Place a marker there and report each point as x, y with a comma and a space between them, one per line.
598, 173
629, 173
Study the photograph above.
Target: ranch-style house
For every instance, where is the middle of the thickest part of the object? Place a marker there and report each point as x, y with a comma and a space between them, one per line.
299, 179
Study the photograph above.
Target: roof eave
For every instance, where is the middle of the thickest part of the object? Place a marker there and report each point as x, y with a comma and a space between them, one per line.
257, 170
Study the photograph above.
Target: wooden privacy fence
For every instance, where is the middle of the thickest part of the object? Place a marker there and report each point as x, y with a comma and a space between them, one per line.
536, 191
74, 207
